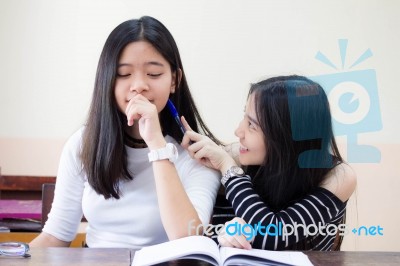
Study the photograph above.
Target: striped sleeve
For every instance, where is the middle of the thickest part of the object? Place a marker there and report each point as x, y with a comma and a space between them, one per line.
316, 210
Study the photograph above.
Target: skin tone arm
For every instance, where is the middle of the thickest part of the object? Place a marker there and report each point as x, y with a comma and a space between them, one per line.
176, 210
47, 240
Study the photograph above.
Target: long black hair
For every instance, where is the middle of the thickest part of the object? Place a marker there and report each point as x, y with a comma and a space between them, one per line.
294, 115
103, 151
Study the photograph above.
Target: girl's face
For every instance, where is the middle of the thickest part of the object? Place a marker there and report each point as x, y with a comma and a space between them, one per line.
251, 137
143, 70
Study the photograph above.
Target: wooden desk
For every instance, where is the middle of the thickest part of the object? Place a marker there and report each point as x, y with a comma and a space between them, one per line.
72, 257
78, 242
353, 258
117, 256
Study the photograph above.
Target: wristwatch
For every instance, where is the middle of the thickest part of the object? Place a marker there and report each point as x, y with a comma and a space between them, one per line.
169, 152
231, 172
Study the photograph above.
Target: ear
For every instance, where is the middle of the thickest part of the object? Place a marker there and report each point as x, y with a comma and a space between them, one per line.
173, 84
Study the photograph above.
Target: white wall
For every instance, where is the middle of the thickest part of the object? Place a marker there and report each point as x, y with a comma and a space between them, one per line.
49, 52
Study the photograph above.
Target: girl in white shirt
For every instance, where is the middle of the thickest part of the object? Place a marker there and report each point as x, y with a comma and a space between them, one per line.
104, 171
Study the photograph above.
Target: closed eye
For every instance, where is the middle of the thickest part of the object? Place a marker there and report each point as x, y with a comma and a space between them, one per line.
251, 125
155, 75
123, 75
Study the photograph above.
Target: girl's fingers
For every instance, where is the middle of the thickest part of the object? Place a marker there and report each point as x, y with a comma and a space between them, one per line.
241, 242
239, 238
234, 241
185, 124
186, 141
131, 114
136, 108
191, 138
224, 242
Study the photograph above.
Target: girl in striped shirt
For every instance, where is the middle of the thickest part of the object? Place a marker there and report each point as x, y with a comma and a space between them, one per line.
293, 191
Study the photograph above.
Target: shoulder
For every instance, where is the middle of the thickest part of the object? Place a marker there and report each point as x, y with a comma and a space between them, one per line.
73, 145
76, 138
70, 162
341, 181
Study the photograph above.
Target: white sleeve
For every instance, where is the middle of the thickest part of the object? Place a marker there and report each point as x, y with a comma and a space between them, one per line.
201, 185
66, 211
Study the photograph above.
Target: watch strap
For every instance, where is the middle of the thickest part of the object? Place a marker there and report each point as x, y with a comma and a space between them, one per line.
169, 152
231, 172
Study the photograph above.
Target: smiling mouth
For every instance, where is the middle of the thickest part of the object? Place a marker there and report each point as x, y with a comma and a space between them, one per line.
243, 149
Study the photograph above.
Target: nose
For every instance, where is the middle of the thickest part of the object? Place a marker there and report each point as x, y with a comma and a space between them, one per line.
138, 84
239, 132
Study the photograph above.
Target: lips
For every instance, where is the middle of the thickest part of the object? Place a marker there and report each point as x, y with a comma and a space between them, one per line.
128, 100
243, 149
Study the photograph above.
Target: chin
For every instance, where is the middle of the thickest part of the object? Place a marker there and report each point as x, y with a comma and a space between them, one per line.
248, 161
243, 161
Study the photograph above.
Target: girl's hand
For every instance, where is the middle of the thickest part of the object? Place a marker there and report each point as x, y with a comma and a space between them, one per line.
236, 234
141, 110
205, 150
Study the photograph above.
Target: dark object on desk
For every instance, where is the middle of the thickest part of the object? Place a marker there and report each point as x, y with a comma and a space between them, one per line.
18, 225
21, 215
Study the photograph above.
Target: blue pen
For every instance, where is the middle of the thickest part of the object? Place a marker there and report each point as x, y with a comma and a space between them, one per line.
175, 114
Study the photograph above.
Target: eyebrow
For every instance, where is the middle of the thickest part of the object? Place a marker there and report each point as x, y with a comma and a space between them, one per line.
154, 63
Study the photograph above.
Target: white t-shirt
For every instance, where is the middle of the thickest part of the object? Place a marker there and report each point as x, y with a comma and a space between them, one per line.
133, 221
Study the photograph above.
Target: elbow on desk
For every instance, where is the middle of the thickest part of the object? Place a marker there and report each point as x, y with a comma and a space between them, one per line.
46, 240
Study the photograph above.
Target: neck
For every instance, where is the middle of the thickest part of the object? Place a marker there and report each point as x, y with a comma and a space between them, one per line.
132, 137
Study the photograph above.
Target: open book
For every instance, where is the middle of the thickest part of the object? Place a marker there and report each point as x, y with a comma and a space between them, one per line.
205, 249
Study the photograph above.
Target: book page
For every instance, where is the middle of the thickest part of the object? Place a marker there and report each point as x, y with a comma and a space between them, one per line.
237, 256
172, 250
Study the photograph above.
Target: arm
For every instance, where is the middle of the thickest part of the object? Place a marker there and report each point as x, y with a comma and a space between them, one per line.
66, 211
201, 185
199, 188
47, 240
176, 210
318, 208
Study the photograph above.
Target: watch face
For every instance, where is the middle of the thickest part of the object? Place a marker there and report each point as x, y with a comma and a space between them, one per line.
233, 171
237, 170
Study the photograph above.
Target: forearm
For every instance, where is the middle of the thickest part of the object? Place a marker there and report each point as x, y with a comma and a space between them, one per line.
47, 240
177, 212
317, 208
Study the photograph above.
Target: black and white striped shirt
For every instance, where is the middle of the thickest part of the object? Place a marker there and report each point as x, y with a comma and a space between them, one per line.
319, 209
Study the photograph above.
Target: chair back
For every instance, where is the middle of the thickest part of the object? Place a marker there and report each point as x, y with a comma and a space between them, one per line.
47, 200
